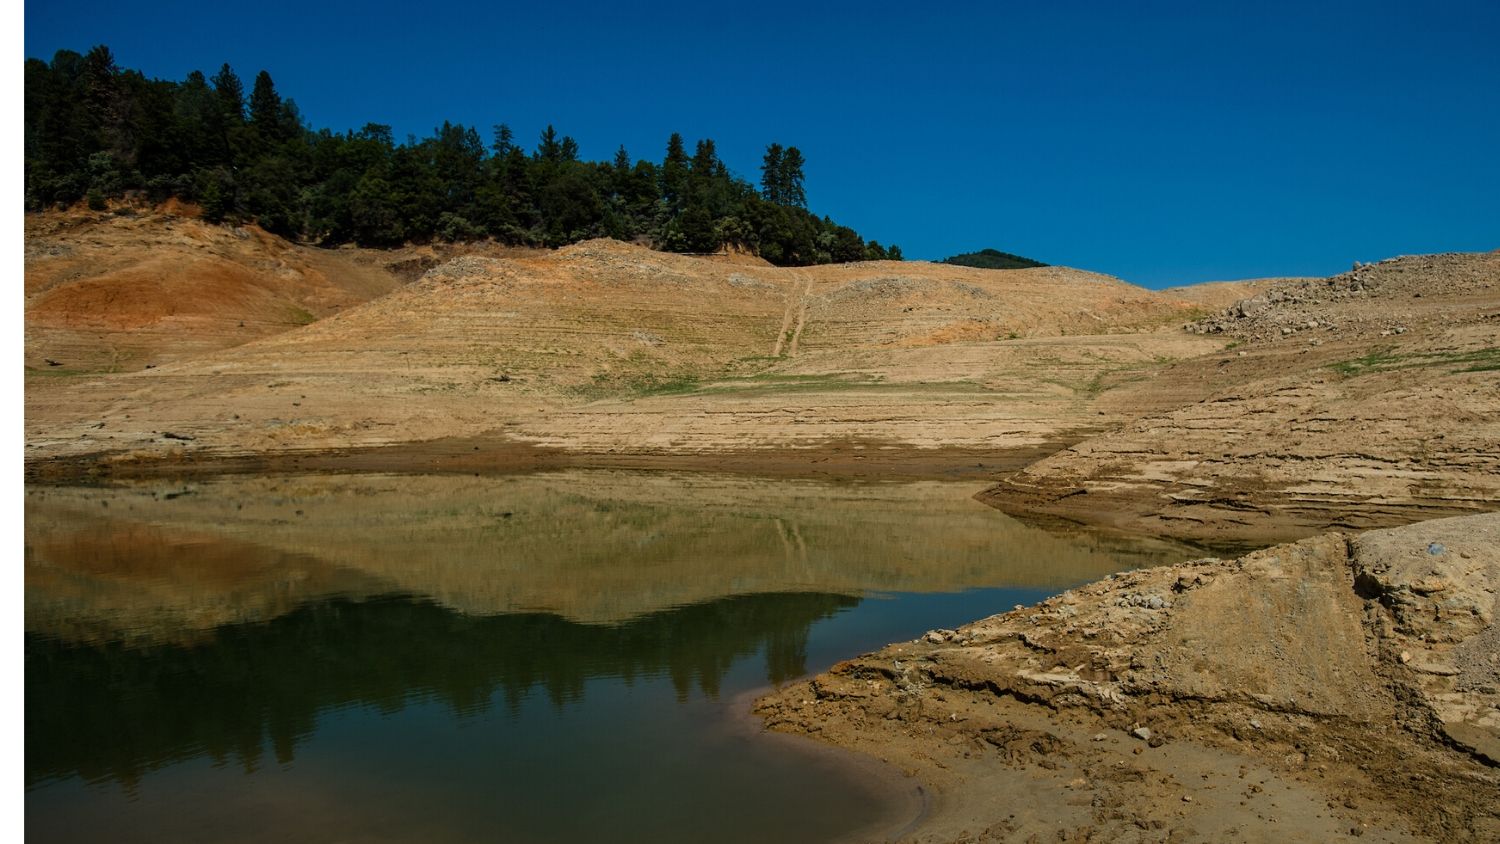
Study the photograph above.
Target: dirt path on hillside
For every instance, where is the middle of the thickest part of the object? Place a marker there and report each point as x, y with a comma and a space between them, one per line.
792, 323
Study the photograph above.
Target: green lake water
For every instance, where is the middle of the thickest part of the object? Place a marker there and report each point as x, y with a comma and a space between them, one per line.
552, 657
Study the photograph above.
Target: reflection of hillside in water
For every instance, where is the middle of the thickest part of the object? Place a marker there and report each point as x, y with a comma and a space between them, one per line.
593, 546
109, 711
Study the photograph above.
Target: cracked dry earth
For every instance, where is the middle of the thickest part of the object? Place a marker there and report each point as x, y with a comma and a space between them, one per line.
1339, 687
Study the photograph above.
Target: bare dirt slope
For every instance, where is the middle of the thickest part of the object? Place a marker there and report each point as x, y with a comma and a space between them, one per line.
1218, 295
1341, 686
606, 348
110, 293
117, 291
1368, 399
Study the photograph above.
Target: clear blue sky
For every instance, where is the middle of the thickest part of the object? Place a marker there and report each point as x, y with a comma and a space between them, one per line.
1161, 142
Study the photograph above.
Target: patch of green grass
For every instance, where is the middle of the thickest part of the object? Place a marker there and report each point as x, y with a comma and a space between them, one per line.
300, 316
64, 372
1110, 377
767, 383
1387, 359
637, 385
1374, 361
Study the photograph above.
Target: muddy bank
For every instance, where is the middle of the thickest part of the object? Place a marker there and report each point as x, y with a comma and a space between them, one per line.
852, 459
1344, 685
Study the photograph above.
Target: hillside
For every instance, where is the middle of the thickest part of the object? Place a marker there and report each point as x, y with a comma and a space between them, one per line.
1218, 295
116, 292
1362, 400
992, 259
604, 348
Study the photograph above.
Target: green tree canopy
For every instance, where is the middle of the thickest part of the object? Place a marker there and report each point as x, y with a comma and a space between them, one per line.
94, 131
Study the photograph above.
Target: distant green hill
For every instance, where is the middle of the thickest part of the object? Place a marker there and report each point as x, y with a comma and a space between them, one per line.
992, 259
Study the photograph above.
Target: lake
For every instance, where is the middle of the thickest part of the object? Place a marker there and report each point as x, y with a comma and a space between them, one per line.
559, 656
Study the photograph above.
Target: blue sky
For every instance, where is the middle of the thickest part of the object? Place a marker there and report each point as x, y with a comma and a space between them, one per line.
1161, 142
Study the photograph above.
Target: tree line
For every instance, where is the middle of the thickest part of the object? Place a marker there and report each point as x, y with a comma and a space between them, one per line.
96, 132
992, 259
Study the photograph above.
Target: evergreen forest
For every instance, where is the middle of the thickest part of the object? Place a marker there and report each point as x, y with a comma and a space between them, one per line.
96, 132
992, 259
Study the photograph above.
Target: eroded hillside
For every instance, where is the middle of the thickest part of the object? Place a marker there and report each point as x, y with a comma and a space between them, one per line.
1368, 399
1363, 400
606, 348
118, 292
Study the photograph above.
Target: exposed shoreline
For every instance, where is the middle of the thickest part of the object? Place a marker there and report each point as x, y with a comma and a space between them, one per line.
1339, 686
998, 473
1360, 402
852, 459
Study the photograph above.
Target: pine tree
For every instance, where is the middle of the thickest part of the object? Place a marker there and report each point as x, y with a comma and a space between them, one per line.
770, 175
231, 94
791, 179
504, 140
549, 149
674, 173
265, 106
705, 159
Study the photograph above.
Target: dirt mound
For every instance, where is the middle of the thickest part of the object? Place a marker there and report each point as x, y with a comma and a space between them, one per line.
1331, 686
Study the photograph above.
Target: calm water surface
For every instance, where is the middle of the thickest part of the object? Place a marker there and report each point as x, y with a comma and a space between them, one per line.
551, 657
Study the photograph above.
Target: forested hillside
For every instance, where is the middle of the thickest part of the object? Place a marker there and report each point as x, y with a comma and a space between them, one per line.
96, 132
992, 259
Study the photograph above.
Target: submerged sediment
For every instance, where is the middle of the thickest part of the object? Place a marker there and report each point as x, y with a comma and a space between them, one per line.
1341, 685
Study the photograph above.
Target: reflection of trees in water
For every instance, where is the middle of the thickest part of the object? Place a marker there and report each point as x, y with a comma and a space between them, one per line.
114, 712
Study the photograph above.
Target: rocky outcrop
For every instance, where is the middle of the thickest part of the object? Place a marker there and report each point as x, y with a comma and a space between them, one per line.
1361, 668
1387, 298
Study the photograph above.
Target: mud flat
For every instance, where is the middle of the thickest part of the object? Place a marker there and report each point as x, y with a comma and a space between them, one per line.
1346, 685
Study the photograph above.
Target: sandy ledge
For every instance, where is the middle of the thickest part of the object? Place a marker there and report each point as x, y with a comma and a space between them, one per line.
1341, 686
